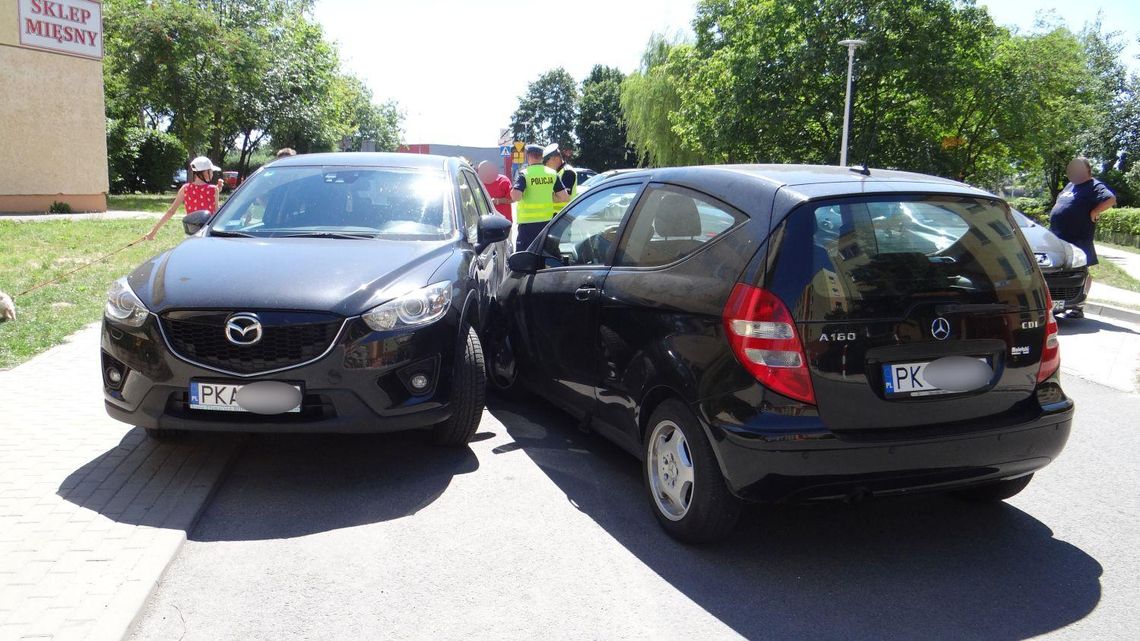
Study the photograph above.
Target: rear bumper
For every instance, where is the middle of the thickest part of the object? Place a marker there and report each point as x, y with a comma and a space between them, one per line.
816, 464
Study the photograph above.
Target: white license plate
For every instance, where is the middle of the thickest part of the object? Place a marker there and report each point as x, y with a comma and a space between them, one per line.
221, 397
908, 379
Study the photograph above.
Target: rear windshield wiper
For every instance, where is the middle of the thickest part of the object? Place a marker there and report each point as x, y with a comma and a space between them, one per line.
230, 234
330, 234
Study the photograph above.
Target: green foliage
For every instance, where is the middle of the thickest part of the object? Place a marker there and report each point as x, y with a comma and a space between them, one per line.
601, 132
1120, 220
651, 102
58, 207
1029, 206
141, 159
225, 76
548, 111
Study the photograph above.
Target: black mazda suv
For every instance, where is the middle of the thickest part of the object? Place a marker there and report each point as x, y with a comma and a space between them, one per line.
331, 293
790, 333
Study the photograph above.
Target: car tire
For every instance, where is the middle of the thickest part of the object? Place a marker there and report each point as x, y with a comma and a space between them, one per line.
502, 370
994, 492
164, 435
683, 481
468, 394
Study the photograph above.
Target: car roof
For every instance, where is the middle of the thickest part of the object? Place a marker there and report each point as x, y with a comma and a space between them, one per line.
809, 181
367, 159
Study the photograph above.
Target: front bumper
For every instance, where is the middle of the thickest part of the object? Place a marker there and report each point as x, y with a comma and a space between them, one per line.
799, 459
1068, 288
360, 385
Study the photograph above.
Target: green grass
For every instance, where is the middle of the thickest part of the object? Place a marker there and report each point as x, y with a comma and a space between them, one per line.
156, 203
1108, 273
34, 252
1126, 248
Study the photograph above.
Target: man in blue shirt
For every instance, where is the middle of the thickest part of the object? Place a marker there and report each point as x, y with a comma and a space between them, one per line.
1079, 206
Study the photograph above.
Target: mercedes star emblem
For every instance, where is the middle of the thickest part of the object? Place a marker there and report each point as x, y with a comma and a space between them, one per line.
940, 328
243, 329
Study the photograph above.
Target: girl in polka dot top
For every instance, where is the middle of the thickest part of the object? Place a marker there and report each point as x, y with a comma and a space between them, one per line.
198, 195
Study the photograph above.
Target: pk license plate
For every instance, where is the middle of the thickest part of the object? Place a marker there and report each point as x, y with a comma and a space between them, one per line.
908, 379
221, 397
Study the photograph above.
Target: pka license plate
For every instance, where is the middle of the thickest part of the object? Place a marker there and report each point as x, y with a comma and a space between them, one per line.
228, 397
909, 379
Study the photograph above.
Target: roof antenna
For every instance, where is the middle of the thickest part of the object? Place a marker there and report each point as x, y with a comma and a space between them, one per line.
861, 170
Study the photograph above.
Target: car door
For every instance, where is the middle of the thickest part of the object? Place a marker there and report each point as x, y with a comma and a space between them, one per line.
560, 301
659, 317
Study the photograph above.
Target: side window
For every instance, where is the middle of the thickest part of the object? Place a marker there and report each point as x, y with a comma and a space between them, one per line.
671, 224
584, 234
477, 191
468, 209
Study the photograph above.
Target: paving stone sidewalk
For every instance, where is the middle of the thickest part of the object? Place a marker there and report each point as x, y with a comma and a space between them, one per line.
91, 510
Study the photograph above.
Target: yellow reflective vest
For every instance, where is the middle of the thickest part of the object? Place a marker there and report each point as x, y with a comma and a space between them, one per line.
573, 190
537, 204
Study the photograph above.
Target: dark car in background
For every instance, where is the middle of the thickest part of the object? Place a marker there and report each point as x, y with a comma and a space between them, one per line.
1064, 265
331, 293
790, 333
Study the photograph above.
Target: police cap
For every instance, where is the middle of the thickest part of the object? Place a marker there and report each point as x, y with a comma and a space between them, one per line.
550, 151
534, 149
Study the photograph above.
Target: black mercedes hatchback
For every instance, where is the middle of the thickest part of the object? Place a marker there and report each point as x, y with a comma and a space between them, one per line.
791, 333
331, 293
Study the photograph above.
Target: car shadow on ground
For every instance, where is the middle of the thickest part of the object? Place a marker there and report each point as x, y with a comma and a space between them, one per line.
289, 485
1070, 326
916, 568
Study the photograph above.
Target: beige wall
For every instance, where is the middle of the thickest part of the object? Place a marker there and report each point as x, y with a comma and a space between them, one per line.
53, 141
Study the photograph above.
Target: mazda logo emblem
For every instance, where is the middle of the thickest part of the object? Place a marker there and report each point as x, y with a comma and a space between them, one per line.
243, 329
940, 328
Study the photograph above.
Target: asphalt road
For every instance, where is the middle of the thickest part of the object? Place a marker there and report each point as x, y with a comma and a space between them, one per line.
541, 531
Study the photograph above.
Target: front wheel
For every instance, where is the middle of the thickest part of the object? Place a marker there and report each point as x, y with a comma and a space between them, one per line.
996, 491
468, 393
686, 490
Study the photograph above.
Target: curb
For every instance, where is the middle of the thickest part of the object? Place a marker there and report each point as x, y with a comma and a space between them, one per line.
135, 600
1111, 311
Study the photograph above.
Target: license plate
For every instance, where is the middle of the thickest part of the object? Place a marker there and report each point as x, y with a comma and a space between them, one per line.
1058, 305
908, 379
222, 397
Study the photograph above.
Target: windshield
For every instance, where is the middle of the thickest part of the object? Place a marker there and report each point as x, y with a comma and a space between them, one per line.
339, 202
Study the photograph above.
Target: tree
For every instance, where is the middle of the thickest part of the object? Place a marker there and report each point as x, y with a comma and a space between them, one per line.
548, 111
650, 105
601, 132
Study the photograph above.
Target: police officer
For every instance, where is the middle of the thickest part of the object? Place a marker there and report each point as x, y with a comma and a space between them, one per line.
560, 162
536, 190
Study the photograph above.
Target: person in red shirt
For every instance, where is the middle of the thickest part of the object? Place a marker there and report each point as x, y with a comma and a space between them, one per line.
198, 195
499, 186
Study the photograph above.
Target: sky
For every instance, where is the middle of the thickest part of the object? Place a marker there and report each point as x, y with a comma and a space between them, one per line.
457, 67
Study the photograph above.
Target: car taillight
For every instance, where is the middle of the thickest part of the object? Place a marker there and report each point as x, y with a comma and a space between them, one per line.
764, 338
1051, 352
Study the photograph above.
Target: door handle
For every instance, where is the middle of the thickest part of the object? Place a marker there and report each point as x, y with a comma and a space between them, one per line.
481, 261
585, 292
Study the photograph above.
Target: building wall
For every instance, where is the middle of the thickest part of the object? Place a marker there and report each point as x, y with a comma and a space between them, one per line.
53, 140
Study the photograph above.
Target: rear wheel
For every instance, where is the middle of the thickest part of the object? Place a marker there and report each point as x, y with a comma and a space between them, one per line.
995, 492
686, 490
468, 393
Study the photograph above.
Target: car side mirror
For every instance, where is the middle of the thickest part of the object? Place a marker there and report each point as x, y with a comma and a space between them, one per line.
524, 262
493, 228
195, 221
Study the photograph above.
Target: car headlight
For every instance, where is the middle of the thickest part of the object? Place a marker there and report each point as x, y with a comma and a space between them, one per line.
416, 308
123, 306
1080, 258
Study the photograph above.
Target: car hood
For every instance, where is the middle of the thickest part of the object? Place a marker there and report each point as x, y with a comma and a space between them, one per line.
346, 277
1058, 253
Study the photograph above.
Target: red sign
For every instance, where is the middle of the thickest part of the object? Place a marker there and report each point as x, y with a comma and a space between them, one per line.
74, 27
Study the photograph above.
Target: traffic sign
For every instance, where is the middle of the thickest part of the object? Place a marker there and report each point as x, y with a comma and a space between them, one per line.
504, 151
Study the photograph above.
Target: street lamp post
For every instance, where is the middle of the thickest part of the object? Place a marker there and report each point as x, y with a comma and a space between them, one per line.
851, 46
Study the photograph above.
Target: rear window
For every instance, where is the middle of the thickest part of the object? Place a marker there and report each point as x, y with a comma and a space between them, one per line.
876, 258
